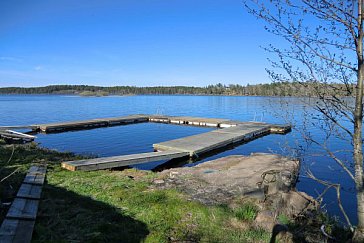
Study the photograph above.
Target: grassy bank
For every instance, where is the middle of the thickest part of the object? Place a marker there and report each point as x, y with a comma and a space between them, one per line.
119, 206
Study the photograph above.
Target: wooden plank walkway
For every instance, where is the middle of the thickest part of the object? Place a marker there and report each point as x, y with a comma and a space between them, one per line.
187, 120
119, 161
131, 119
16, 230
112, 121
87, 124
202, 143
29, 191
20, 220
35, 176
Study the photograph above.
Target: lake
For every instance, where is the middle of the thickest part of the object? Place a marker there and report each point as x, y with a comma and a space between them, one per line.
136, 138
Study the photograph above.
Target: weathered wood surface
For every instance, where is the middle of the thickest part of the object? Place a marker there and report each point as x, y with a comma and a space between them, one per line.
125, 120
37, 169
29, 191
22, 208
85, 124
206, 142
131, 119
18, 127
119, 161
16, 231
20, 220
101, 122
189, 146
187, 120
36, 175
13, 135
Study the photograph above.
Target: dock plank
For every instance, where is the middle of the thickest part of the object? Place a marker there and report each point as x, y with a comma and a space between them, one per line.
124, 120
131, 119
92, 123
188, 120
244, 128
205, 142
119, 161
196, 144
198, 121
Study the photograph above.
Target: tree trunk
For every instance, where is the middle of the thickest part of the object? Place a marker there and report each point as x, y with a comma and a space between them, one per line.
358, 123
358, 157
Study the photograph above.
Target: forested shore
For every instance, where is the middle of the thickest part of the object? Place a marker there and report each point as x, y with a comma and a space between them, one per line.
271, 89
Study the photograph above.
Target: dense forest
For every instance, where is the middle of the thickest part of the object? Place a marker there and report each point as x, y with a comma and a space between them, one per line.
272, 89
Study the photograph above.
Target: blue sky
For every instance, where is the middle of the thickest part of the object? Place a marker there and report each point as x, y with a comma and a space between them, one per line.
141, 43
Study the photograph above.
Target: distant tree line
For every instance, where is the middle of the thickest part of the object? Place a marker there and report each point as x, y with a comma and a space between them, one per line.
271, 89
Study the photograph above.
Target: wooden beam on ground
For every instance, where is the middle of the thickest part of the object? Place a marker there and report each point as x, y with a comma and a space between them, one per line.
16, 231
22, 208
19, 222
29, 191
35, 176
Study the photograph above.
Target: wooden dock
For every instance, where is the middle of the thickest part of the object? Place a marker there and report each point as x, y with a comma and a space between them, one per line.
125, 120
193, 121
113, 121
124, 160
229, 132
87, 124
202, 143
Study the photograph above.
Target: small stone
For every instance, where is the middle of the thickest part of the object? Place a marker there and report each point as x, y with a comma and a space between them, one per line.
296, 202
265, 219
285, 236
158, 181
173, 174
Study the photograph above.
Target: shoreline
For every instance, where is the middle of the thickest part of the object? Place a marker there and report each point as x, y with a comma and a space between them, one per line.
131, 197
127, 95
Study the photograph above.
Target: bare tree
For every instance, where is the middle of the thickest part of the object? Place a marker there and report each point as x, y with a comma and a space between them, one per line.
325, 47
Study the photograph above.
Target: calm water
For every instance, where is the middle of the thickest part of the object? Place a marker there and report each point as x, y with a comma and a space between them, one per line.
119, 140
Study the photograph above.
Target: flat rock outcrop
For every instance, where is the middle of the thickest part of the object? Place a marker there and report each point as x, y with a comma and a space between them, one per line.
268, 179
219, 181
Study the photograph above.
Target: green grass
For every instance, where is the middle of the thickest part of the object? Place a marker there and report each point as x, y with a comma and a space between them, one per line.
121, 206
283, 219
247, 212
153, 215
